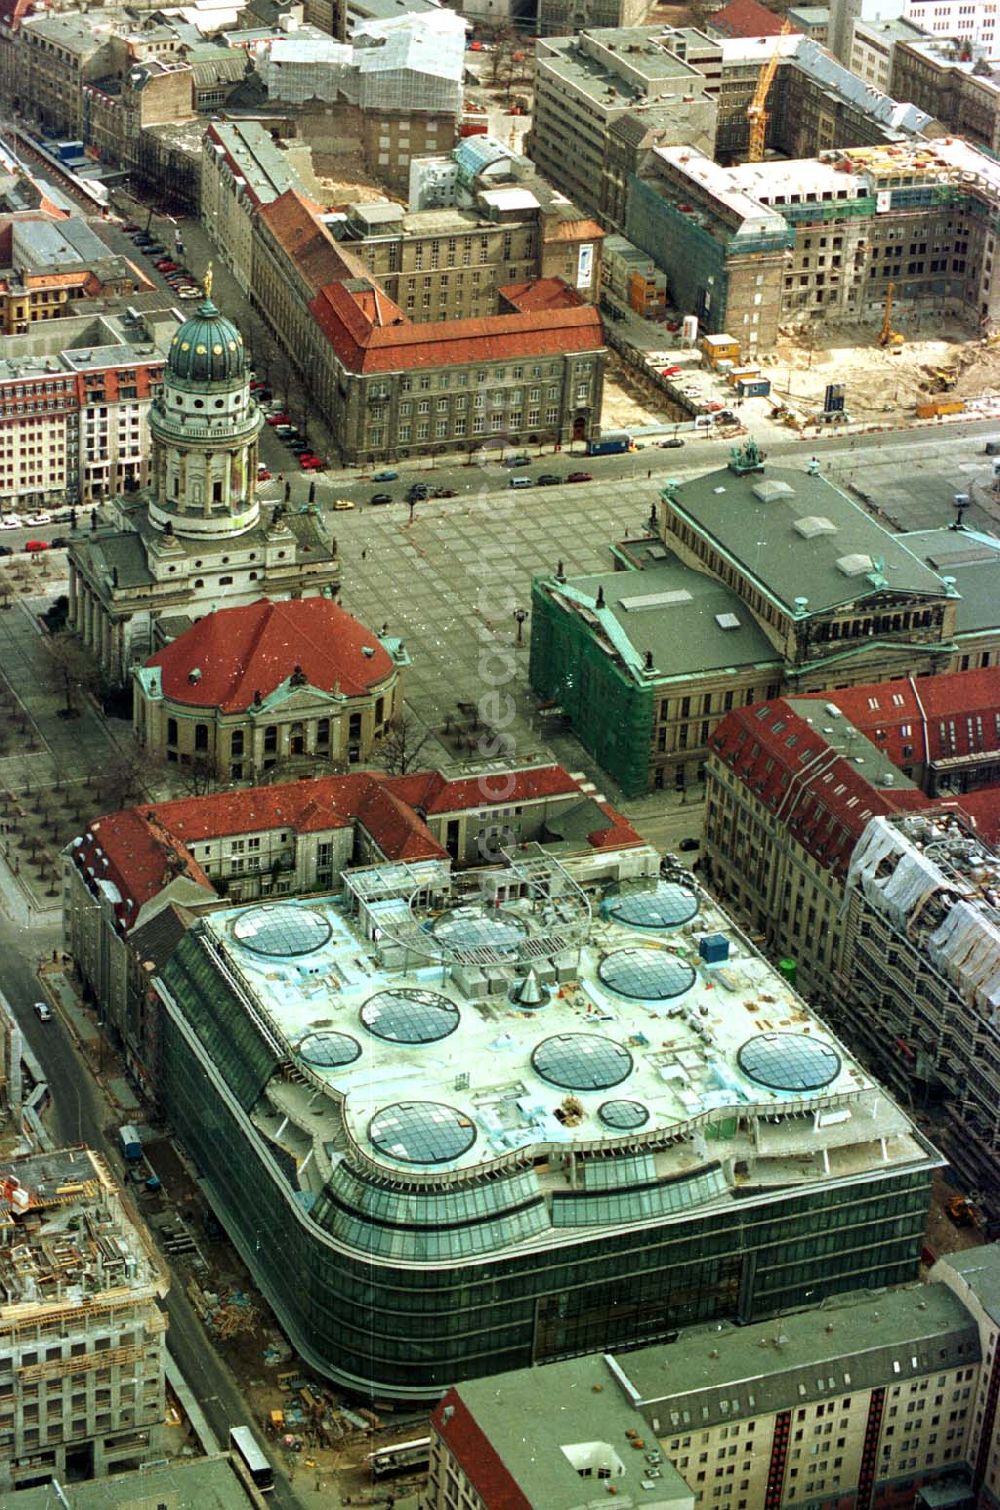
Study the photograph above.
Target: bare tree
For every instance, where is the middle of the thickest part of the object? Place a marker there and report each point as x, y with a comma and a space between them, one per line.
401, 746
123, 779
74, 672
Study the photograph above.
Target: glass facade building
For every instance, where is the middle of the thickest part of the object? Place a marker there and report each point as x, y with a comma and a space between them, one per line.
435, 1211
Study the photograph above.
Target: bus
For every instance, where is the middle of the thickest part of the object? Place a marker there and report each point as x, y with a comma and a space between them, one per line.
243, 1443
402, 1455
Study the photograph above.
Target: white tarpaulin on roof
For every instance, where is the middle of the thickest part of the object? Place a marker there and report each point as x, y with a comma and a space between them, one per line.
966, 948
902, 886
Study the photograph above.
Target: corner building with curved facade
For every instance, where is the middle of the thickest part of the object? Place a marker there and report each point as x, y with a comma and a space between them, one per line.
462, 1123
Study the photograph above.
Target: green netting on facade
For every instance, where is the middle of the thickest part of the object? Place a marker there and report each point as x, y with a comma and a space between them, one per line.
217, 1014
611, 711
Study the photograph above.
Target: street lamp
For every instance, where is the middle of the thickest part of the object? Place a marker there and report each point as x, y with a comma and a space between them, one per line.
520, 614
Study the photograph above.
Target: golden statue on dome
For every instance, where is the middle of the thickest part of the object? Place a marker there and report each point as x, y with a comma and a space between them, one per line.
207, 283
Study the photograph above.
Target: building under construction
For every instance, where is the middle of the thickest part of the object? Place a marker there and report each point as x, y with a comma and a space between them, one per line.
748, 248
81, 1334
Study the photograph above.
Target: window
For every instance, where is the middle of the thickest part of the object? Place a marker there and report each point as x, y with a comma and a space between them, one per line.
171, 731
236, 742
201, 736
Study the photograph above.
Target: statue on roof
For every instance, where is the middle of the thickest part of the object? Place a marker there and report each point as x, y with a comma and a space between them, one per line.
207, 282
746, 458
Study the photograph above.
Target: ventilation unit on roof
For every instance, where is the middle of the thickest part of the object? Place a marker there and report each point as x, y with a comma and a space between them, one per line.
855, 565
832, 709
812, 525
194, 675
768, 491
727, 621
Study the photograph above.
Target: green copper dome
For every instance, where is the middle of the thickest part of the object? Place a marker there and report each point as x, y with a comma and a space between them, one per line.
207, 348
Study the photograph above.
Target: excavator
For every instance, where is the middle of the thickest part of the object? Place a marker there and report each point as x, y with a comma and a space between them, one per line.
892, 339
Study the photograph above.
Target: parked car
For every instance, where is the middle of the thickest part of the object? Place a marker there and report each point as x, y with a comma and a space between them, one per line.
671, 371
41, 517
164, 265
189, 293
443, 493
380, 498
153, 249
141, 238
687, 845
6, 550
672, 443
548, 480
297, 445
713, 406
59, 542
36, 545
725, 417
11, 522
311, 463
43, 1011
521, 482
130, 228
278, 419
340, 504
386, 475
521, 460
416, 492
580, 477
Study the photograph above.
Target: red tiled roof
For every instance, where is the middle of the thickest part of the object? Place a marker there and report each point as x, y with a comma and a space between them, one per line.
371, 334
295, 226
242, 651
822, 798
540, 293
143, 844
399, 832
747, 18
472, 1449
983, 807
574, 230
937, 719
138, 856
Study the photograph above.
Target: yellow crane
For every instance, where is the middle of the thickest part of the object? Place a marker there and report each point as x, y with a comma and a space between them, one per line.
757, 109
887, 336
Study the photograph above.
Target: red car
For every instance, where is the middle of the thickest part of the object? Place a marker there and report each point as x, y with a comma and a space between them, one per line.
36, 545
671, 371
311, 463
166, 266
278, 419
580, 477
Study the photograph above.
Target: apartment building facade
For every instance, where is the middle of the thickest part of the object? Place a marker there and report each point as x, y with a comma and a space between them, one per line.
391, 388
884, 1400
243, 168
49, 264
82, 1336
74, 423
952, 86
586, 84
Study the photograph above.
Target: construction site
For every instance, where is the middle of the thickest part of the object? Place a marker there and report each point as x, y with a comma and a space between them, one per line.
82, 1346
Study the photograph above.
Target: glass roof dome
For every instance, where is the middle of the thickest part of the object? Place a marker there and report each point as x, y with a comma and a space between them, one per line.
208, 348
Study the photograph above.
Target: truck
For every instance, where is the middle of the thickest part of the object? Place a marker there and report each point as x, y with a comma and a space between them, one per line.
130, 1144
613, 443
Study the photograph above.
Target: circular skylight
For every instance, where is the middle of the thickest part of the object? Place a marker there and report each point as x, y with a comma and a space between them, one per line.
410, 1016
646, 974
327, 1050
479, 928
422, 1132
789, 1061
623, 1115
281, 930
581, 1061
665, 905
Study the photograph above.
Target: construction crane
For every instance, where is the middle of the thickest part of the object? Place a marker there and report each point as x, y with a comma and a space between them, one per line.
887, 336
757, 109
